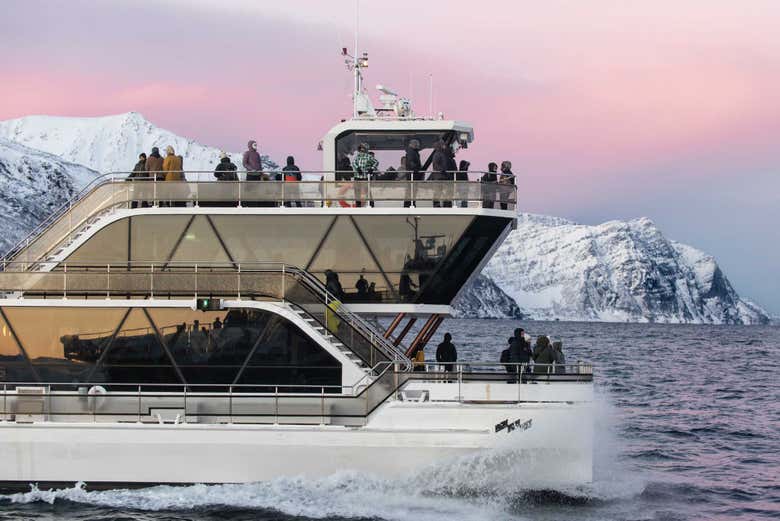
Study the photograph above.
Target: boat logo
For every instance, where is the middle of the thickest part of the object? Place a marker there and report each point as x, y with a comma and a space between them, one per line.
517, 424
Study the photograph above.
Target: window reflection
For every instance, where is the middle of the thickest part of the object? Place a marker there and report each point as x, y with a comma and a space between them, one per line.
88, 345
377, 258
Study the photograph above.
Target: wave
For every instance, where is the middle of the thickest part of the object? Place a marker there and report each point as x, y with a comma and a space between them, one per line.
478, 487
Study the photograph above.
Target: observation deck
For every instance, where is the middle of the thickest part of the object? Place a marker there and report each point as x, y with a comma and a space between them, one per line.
414, 243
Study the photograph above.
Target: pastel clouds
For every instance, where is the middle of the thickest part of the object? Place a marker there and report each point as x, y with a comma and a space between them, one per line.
608, 108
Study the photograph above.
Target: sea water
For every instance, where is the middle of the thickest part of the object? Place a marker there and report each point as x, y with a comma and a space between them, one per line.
687, 427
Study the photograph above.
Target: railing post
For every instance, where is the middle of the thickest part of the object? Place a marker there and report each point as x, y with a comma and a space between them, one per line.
5, 401
460, 383
196, 281
139, 404
238, 277
230, 404
197, 191
151, 281
65, 281
284, 294
184, 420
276, 405
108, 281
322, 405
239, 192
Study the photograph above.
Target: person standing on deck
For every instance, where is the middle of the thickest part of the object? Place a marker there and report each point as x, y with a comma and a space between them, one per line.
139, 174
520, 351
489, 181
154, 165
173, 166
139, 170
544, 356
439, 172
462, 176
560, 358
226, 170
291, 174
506, 179
413, 167
252, 163
446, 354
364, 165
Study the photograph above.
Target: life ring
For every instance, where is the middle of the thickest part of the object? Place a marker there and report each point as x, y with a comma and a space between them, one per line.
96, 398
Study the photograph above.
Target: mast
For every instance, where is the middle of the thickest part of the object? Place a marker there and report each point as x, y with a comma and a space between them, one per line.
355, 63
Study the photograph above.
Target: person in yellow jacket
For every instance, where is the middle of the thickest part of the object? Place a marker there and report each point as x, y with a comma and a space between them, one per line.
173, 165
173, 169
419, 360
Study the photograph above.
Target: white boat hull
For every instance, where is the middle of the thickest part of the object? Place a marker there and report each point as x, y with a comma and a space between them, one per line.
402, 438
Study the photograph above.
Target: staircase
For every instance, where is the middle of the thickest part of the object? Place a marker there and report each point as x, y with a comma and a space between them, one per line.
332, 340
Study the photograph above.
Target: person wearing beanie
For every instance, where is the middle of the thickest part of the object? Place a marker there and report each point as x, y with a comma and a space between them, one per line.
226, 170
154, 164
291, 174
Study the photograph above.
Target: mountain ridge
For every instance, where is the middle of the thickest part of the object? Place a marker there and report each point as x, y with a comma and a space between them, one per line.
555, 268
549, 268
110, 143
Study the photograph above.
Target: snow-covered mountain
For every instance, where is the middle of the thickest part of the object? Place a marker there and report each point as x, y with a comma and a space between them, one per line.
33, 184
616, 271
548, 268
109, 143
482, 298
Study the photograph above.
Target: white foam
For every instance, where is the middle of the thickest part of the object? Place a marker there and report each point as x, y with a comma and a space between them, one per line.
475, 488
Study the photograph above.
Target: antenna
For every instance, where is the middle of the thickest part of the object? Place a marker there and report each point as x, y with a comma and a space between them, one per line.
430, 95
355, 64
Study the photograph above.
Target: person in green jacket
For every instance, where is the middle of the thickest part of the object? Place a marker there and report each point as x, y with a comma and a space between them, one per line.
544, 356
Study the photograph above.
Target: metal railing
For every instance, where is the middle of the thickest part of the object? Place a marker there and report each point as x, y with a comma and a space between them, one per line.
262, 403
115, 191
225, 280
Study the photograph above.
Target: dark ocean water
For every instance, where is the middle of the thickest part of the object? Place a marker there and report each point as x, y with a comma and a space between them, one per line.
688, 427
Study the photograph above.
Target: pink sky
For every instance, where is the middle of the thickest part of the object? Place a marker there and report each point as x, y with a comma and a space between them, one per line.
608, 109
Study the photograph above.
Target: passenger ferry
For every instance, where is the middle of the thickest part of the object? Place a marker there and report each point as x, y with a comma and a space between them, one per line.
207, 332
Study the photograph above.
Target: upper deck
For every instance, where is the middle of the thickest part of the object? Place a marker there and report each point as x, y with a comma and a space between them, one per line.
420, 254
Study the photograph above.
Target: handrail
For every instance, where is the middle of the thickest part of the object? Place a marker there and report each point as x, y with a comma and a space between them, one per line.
119, 280
300, 403
425, 190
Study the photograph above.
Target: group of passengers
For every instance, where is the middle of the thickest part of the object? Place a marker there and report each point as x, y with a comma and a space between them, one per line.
365, 167
546, 357
360, 170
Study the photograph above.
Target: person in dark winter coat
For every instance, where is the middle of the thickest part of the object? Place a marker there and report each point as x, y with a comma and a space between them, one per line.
154, 165
544, 356
139, 170
489, 181
226, 170
413, 166
139, 174
343, 167
446, 353
506, 179
505, 359
291, 174
439, 163
333, 285
462, 176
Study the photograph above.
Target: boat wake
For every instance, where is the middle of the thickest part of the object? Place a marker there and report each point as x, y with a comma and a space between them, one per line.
478, 487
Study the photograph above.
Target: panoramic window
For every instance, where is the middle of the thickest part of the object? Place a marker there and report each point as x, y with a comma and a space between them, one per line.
161, 346
389, 146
